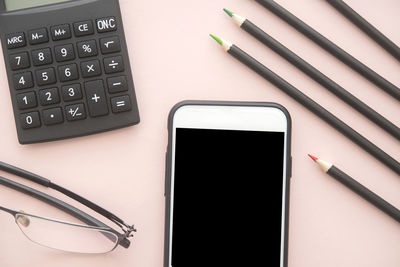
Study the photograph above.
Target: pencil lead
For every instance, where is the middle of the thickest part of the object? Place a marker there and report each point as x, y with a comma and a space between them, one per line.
239, 20
228, 12
216, 39
312, 157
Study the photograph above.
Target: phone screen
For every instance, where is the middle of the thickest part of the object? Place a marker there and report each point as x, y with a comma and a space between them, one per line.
227, 198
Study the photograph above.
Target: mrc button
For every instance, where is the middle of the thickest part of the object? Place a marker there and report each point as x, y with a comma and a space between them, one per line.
106, 24
15, 40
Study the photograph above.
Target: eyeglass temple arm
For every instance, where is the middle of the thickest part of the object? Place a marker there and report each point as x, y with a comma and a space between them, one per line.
80, 215
47, 183
12, 212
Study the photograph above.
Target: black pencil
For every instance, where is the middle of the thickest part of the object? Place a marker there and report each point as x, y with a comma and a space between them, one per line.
332, 48
358, 188
315, 74
310, 104
366, 27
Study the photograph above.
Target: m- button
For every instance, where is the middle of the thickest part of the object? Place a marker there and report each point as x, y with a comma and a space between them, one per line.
38, 36
83, 28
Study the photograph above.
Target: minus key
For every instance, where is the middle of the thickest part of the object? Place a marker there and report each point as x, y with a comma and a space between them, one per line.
117, 84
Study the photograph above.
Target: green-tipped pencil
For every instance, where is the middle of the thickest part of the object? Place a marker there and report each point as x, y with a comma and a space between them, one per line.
310, 104
315, 74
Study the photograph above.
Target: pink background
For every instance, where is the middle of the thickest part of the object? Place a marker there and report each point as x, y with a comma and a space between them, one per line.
173, 59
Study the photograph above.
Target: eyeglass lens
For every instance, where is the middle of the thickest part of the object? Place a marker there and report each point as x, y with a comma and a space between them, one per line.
66, 236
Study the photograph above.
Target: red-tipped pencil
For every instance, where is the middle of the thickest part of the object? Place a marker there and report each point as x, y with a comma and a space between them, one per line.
358, 188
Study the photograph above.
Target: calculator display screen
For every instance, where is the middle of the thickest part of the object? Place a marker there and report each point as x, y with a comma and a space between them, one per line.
21, 4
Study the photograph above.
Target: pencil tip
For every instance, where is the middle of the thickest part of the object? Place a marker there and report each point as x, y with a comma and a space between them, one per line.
228, 12
313, 157
216, 39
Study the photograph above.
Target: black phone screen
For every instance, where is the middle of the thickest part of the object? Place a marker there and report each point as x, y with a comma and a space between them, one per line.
227, 198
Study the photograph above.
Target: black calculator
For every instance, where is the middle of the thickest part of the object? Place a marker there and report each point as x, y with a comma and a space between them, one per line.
68, 68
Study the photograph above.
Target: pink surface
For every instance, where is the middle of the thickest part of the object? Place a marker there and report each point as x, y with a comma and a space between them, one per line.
173, 59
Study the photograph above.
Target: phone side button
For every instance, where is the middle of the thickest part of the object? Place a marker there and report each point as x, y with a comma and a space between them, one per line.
290, 167
166, 173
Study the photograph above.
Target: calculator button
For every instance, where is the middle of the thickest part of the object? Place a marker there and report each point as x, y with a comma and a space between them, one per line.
110, 45
52, 116
64, 52
19, 61
23, 80
38, 36
90, 68
68, 73
45, 76
30, 120
26, 100
49, 96
96, 98
113, 64
75, 112
71, 92
87, 48
106, 24
15, 40
83, 28
117, 84
121, 104
60, 32
42, 57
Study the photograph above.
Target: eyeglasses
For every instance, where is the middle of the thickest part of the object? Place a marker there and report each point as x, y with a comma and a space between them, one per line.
92, 237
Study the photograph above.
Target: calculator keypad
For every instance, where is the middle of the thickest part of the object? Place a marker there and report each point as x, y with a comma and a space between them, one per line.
68, 72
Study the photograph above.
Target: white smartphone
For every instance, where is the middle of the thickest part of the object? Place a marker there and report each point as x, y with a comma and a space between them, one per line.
227, 185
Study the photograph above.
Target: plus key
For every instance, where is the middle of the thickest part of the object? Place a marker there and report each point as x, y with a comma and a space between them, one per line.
96, 98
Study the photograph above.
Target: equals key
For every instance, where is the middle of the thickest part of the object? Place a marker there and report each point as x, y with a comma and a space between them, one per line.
121, 104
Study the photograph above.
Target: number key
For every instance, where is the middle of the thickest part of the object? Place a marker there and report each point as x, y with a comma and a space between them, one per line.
19, 61
68, 73
30, 120
49, 96
71, 92
42, 57
64, 52
26, 100
45, 76
23, 80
